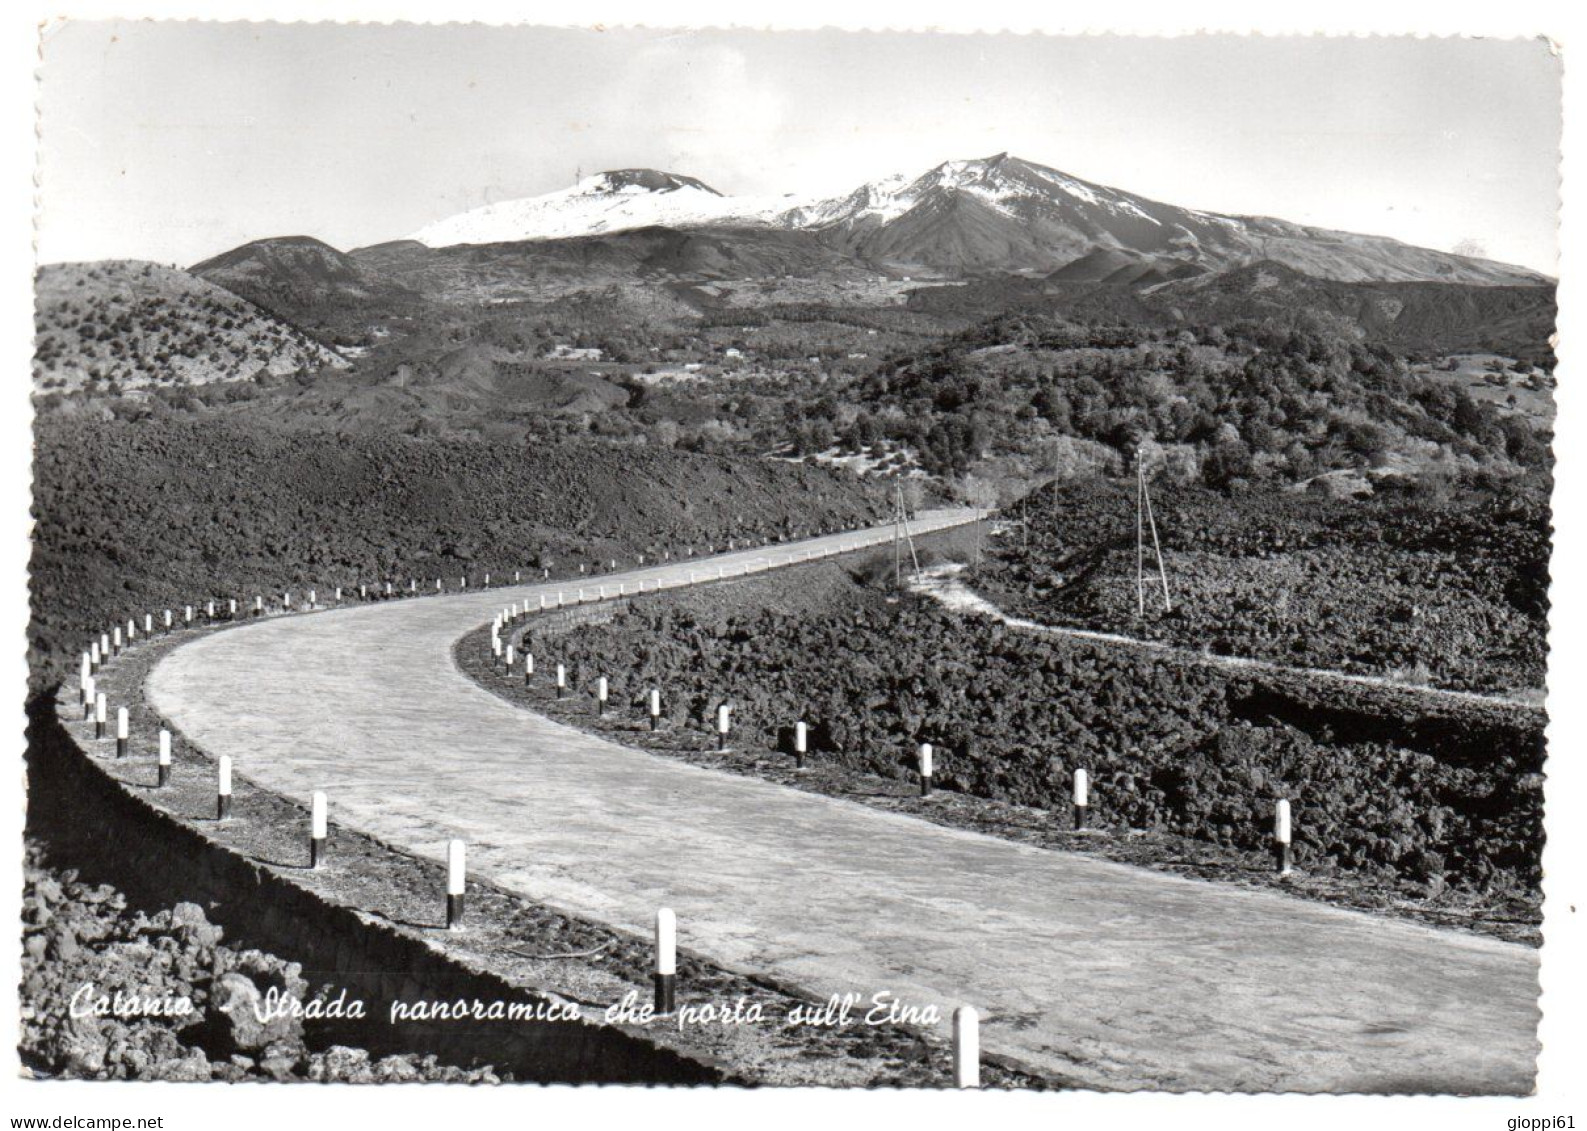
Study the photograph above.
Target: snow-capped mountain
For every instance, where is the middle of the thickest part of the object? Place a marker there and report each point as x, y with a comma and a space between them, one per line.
1001, 214
989, 215
615, 201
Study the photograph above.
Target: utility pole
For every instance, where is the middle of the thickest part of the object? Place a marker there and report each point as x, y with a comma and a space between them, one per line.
1140, 538
1146, 521
898, 561
901, 536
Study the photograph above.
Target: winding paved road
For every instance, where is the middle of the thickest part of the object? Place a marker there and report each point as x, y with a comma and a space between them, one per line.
1111, 975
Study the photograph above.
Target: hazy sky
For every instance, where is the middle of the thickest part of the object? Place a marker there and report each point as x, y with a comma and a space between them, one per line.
176, 141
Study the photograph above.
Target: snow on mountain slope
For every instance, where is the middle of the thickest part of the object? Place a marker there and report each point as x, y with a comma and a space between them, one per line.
607, 202
991, 214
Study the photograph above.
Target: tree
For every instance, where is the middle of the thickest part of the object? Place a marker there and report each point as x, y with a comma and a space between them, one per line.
1227, 461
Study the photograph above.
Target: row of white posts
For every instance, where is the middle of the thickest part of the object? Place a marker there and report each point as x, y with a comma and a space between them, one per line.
966, 1041
506, 652
925, 752
111, 643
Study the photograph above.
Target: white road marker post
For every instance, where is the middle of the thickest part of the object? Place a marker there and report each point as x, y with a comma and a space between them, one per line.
389, 591
1281, 837
148, 624
100, 707
319, 823
85, 669
187, 616
168, 620
455, 881
164, 770
123, 732
966, 1047
286, 601
1082, 799
510, 658
655, 708
115, 641
89, 699
337, 596
258, 605
223, 789
487, 581
801, 743
724, 722
93, 657
363, 592
528, 668
666, 962
132, 631
601, 693
562, 680
312, 595
923, 757
209, 609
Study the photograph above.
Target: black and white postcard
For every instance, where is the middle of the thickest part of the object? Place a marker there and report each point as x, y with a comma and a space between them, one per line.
771, 559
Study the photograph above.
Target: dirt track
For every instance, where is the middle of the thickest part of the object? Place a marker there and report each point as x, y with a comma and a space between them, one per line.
1104, 973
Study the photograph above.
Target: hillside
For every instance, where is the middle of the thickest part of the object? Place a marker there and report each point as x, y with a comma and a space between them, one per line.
541, 270
1448, 587
1229, 404
124, 326
310, 284
1415, 317
226, 505
472, 389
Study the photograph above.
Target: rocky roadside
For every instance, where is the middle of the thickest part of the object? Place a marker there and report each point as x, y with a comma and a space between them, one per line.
110, 993
825, 584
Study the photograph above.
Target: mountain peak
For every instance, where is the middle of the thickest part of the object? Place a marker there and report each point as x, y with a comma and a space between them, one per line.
614, 201
650, 180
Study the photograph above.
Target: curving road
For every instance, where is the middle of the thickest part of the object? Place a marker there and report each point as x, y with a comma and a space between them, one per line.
1114, 976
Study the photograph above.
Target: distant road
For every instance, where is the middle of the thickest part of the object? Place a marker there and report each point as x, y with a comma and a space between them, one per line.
1103, 973
944, 584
